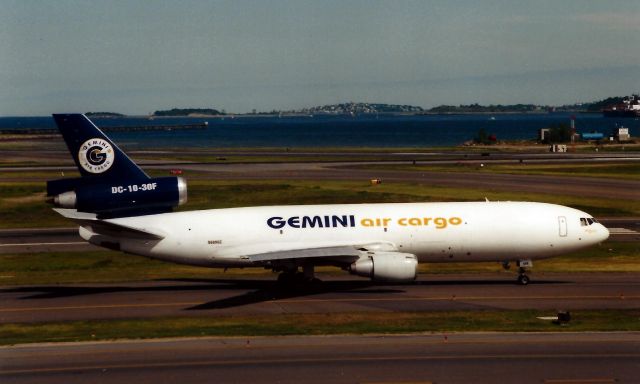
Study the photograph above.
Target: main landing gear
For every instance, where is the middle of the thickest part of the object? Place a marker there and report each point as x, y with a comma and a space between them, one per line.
523, 266
293, 277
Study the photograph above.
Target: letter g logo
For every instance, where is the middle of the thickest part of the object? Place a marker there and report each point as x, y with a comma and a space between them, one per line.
96, 155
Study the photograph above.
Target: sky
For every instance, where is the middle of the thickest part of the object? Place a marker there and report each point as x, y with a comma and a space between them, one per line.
136, 57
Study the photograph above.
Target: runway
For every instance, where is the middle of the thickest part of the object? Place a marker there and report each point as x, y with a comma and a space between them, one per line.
146, 158
32, 240
243, 297
556, 358
557, 185
608, 188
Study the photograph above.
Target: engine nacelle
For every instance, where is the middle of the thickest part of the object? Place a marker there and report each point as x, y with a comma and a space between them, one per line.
162, 193
387, 266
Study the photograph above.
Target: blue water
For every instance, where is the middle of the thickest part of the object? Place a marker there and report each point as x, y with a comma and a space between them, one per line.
337, 131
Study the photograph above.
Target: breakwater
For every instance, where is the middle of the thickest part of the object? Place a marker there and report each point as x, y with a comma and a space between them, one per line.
132, 128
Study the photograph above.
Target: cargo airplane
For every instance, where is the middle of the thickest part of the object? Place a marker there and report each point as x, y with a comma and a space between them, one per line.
118, 206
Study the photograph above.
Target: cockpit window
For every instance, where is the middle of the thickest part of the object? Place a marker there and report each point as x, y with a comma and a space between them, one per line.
585, 221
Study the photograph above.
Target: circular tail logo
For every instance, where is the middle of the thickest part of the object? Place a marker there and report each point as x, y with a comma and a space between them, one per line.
96, 155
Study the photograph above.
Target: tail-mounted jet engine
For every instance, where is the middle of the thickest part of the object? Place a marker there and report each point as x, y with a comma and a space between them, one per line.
116, 198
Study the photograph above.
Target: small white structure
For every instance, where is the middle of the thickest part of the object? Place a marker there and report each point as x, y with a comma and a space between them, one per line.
543, 134
622, 134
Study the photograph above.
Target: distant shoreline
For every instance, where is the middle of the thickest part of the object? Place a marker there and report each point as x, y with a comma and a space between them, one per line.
278, 115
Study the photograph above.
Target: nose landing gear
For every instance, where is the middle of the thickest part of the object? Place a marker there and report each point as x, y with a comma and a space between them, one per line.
523, 265
523, 279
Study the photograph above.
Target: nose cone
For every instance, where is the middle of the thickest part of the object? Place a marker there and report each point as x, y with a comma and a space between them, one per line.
603, 233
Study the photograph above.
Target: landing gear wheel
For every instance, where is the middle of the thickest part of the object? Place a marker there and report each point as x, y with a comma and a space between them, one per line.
298, 280
523, 266
286, 278
523, 279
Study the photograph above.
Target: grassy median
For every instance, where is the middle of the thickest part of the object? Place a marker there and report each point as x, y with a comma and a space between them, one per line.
319, 324
622, 170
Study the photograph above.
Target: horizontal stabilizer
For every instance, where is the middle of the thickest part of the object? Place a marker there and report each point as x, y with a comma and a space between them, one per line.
75, 215
108, 227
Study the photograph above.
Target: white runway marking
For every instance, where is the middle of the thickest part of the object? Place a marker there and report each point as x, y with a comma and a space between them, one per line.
36, 244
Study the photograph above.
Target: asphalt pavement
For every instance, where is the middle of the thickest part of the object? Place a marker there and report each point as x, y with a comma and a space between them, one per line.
243, 296
550, 358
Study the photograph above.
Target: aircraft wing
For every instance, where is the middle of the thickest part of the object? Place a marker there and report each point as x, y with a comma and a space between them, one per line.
350, 252
307, 253
110, 228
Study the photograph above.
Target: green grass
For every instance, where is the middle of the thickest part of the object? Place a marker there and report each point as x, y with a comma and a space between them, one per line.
630, 171
22, 204
607, 257
208, 194
98, 267
217, 194
318, 324
110, 266
276, 158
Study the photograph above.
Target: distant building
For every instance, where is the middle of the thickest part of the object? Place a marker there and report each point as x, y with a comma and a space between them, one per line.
630, 107
621, 134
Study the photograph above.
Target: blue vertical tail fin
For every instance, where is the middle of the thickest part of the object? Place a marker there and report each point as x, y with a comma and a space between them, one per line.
95, 155
111, 184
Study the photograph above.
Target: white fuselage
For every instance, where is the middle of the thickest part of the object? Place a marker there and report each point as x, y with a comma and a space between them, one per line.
434, 232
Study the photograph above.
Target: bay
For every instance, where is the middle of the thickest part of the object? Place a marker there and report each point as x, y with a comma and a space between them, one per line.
334, 131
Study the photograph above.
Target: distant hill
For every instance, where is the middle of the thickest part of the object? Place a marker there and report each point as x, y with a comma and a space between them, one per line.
104, 114
598, 106
477, 108
594, 106
188, 112
358, 108
353, 108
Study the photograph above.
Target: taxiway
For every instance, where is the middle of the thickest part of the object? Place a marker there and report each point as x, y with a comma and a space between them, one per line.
555, 358
214, 297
